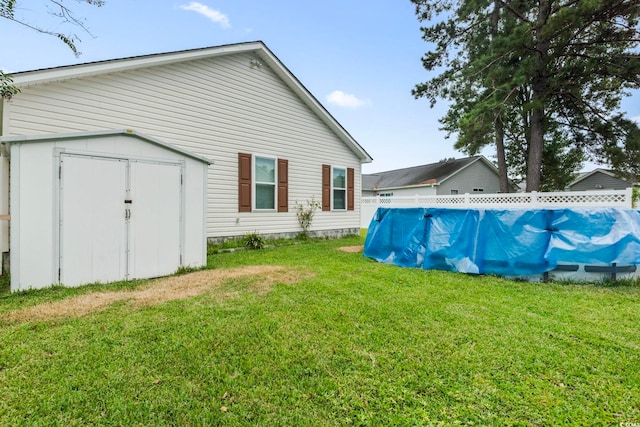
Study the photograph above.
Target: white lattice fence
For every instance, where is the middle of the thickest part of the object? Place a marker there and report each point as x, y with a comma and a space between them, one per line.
560, 199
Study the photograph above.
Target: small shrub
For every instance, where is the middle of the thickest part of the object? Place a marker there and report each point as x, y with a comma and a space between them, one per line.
303, 237
5, 283
305, 214
635, 197
253, 241
185, 269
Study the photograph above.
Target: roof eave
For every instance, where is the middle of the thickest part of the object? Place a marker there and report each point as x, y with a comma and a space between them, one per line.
311, 101
20, 139
47, 75
588, 174
477, 159
29, 78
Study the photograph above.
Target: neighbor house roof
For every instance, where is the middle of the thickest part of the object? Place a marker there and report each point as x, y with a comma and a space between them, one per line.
263, 56
584, 175
424, 175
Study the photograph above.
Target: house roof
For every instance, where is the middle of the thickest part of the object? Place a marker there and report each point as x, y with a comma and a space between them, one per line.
257, 48
585, 175
21, 139
424, 175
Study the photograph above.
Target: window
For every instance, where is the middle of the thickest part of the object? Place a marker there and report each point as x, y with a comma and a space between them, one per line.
338, 188
478, 190
262, 183
265, 183
454, 191
339, 185
385, 194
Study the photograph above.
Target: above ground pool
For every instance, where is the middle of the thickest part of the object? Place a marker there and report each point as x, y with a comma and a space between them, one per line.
508, 242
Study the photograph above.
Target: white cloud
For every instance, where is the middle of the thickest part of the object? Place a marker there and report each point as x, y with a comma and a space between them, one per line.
636, 119
342, 99
204, 10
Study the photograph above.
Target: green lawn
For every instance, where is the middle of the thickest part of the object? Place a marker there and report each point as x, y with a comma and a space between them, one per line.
353, 342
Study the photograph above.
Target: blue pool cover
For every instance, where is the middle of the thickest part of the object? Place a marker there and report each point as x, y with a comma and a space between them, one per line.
509, 242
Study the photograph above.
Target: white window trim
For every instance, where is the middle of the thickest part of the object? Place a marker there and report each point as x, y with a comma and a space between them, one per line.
333, 208
255, 183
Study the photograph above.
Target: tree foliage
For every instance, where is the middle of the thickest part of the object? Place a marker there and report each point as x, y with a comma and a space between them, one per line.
541, 80
61, 13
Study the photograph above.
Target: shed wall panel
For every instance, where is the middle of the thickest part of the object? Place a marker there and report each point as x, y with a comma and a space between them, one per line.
35, 202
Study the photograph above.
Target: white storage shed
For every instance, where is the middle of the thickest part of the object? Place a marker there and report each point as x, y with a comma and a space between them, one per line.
102, 206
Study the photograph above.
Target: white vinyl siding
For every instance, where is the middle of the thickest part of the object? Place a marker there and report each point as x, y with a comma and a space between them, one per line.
600, 181
213, 107
478, 177
427, 190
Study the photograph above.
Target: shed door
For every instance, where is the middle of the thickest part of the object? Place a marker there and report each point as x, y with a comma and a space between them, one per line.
156, 202
92, 226
119, 219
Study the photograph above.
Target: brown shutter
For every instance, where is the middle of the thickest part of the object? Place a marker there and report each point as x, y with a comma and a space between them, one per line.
350, 190
326, 187
244, 182
283, 185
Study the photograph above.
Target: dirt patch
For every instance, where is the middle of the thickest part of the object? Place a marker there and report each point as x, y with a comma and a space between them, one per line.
159, 291
358, 248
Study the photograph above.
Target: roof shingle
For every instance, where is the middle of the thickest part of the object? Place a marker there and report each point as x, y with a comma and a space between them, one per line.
432, 173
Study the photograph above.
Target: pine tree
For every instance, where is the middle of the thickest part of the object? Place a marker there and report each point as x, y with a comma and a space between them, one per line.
554, 69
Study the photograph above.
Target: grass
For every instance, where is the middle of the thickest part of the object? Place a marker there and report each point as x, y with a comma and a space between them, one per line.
354, 343
245, 241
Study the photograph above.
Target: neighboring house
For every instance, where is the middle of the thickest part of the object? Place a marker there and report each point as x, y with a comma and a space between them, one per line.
459, 176
599, 179
271, 142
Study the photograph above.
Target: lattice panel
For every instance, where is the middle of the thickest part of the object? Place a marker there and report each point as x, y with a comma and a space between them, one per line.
500, 199
582, 199
445, 200
612, 198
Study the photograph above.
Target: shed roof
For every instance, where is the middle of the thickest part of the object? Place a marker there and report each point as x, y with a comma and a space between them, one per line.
257, 48
96, 134
430, 174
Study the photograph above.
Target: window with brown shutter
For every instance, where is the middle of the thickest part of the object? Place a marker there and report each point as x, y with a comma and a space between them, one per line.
326, 187
350, 190
244, 182
283, 185
266, 186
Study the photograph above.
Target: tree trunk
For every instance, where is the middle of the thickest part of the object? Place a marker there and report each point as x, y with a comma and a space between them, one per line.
534, 152
499, 125
539, 98
502, 161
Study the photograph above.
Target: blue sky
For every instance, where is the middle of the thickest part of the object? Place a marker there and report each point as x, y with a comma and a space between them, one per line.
359, 58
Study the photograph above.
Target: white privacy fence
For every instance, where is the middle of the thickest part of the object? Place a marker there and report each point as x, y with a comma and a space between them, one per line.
533, 200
